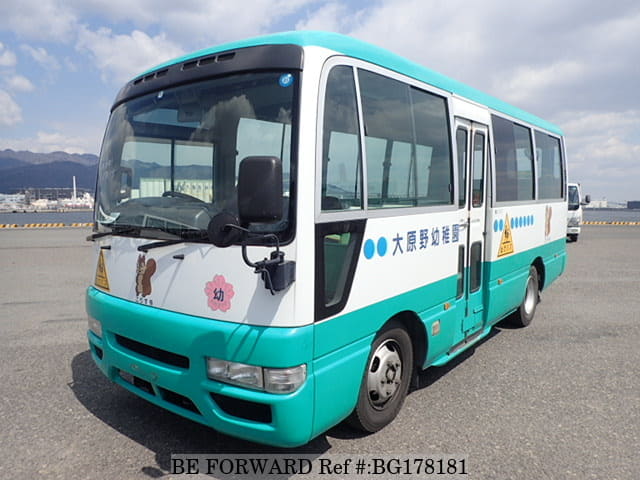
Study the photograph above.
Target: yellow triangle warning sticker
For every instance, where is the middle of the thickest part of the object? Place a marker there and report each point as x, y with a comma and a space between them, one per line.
506, 242
102, 279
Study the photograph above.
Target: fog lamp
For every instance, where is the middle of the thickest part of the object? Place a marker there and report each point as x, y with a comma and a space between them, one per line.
95, 326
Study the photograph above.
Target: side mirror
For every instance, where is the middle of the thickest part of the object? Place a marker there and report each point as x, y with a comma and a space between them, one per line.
587, 199
260, 190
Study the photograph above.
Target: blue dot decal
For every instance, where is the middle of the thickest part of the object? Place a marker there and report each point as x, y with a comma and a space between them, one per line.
501, 227
286, 80
496, 226
382, 246
369, 249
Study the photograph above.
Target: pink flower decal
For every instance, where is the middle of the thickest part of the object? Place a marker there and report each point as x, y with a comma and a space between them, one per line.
219, 294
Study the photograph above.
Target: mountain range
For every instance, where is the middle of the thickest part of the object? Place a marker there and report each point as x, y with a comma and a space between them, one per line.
24, 169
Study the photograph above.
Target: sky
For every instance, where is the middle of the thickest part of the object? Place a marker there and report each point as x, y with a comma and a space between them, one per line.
575, 63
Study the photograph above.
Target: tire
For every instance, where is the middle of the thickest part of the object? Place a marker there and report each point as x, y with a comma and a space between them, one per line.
385, 381
527, 309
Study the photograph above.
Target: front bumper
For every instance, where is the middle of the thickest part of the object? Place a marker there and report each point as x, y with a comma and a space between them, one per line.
160, 356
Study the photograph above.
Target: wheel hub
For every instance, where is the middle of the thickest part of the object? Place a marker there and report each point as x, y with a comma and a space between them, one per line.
384, 374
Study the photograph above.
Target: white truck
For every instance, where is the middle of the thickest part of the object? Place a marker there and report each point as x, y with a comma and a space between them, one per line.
574, 212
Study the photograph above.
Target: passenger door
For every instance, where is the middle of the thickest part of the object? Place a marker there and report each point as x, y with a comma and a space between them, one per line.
471, 144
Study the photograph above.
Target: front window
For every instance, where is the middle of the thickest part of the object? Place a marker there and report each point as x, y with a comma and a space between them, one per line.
574, 198
170, 159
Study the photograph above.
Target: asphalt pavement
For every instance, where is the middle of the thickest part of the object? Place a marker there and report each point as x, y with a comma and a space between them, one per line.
559, 399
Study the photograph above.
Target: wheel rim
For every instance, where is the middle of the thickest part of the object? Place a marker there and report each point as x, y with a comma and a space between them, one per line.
530, 297
384, 374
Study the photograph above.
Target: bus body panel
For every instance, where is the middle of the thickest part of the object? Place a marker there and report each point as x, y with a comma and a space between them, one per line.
204, 281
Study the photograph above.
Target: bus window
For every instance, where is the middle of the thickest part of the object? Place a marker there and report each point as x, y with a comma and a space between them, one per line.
341, 159
407, 139
477, 194
433, 148
387, 115
549, 166
514, 161
461, 145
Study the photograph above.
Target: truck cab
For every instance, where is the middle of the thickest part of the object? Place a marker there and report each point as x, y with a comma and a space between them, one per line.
574, 212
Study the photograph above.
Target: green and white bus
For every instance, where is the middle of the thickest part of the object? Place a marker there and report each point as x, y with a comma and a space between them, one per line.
289, 228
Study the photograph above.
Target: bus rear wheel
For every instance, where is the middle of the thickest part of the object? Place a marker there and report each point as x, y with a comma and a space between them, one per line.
385, 381
524, 315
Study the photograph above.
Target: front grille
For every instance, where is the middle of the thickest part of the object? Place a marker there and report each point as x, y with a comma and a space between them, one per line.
178, 400
98, 351
167, 395
258, 412
158, 354
137, 382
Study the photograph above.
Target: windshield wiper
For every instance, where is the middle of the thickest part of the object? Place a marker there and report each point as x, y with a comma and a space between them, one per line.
115, 230
188, 235
137, 231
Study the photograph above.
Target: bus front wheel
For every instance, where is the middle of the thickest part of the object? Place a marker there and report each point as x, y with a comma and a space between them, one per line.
386, 379
524, 315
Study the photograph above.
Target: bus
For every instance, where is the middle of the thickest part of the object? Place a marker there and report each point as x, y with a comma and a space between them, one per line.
289, 228
575, 202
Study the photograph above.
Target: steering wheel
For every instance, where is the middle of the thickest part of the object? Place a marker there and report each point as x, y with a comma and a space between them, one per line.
184, 196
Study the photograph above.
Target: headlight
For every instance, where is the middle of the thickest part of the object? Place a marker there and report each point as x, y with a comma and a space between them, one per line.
95, 326
272, 380
233, 372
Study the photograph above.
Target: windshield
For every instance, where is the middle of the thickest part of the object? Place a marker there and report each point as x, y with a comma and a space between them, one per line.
170, 159
574, 198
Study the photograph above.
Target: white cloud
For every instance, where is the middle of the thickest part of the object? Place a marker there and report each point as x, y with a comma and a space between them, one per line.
603, 150
42, 57
196, 23
38, 19
18, 83
527, 81
120, 57
7, 57
332, 16
10, 111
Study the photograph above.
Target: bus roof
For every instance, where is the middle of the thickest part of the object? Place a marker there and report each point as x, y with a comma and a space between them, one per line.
352, 47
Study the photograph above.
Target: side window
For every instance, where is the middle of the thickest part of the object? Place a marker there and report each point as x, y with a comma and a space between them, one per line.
341, 156
475, 277
549, 166
261, 137
387, 119
338, 249
461, 147
338, 246
477, 193
433, 148
408, 144
514, 161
